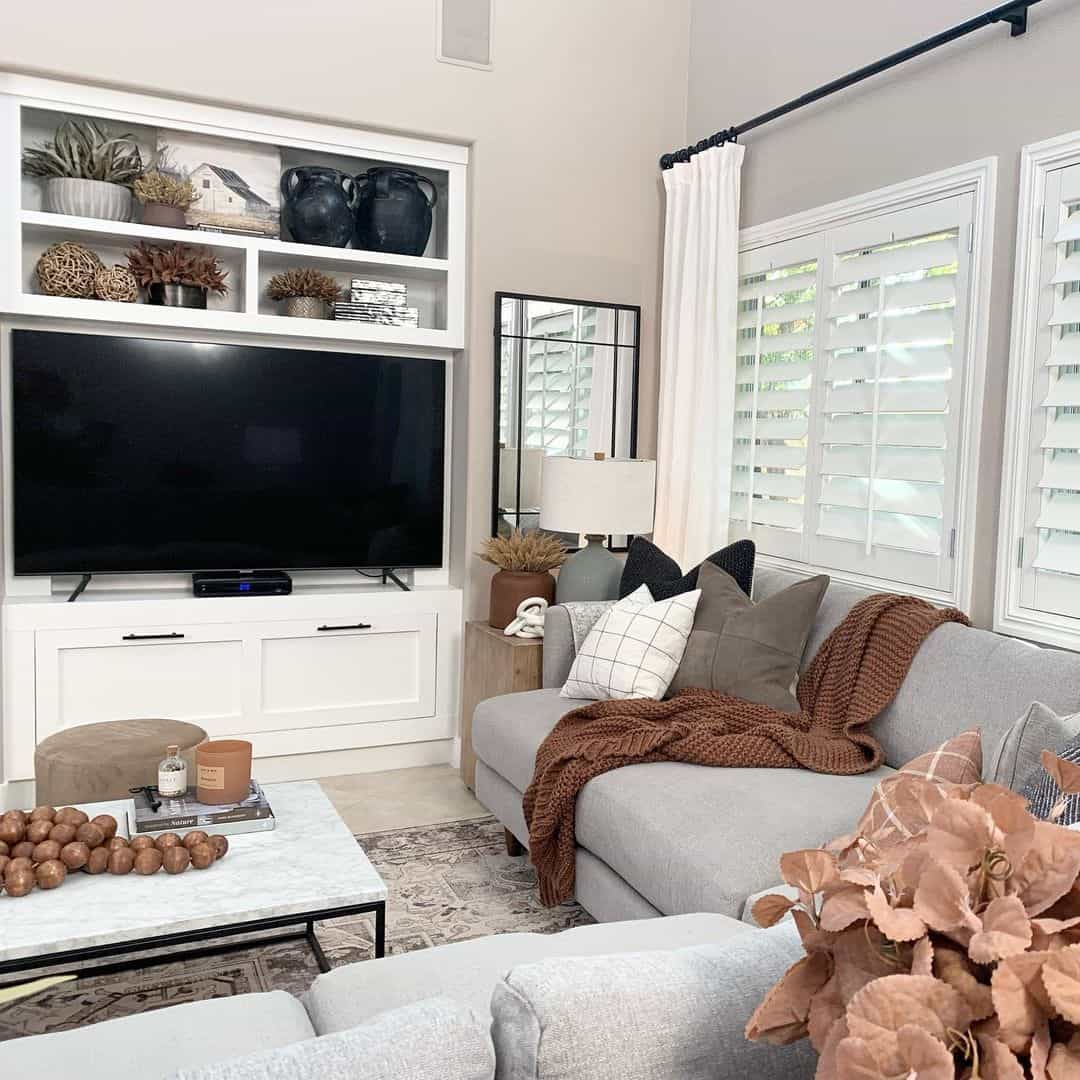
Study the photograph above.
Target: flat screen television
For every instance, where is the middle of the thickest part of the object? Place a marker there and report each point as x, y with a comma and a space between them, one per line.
138, 455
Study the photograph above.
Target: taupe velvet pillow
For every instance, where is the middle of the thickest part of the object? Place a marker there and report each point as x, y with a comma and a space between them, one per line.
751, 651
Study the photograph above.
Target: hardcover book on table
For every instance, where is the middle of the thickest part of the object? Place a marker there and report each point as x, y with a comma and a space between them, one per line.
252, 814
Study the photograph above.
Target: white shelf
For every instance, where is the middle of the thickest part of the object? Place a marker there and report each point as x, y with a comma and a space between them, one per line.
130, 231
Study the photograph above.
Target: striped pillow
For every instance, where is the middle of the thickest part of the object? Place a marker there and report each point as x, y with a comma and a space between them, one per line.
956, 761
1043, 794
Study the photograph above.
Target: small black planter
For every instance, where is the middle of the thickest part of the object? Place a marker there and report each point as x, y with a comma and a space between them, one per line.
393, 213
185, 296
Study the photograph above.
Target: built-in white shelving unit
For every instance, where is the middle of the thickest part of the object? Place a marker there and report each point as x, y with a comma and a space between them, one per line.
31, 109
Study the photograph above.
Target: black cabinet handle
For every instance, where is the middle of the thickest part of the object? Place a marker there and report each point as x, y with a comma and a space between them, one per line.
151, 637
354, 626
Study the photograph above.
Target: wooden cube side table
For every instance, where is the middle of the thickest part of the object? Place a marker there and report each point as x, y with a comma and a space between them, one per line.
494, 664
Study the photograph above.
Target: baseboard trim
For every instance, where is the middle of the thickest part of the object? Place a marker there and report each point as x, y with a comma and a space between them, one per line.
455, 752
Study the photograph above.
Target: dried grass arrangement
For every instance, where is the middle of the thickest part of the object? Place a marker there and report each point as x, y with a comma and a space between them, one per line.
524, 553
180, 264
305, 282
83, 150
954, 953
157, 187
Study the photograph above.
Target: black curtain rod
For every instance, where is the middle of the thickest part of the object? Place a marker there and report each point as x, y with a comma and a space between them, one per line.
1015, 14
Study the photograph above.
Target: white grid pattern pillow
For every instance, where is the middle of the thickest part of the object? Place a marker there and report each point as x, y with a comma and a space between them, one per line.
634, 648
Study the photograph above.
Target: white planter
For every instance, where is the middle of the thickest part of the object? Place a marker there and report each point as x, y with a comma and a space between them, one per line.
88, 198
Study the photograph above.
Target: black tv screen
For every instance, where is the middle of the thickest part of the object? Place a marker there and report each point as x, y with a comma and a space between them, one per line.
141, 455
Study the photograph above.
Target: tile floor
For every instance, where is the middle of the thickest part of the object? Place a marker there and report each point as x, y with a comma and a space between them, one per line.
375, 802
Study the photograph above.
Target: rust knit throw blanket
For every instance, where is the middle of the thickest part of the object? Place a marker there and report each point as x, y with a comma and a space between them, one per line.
855, 674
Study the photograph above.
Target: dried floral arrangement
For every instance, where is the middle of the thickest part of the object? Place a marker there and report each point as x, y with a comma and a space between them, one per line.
40, 847
157, 187
529, 553
953, 953
180, 264
82, 150
305, 282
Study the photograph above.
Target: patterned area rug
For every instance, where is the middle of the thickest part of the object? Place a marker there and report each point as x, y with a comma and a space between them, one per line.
447, 883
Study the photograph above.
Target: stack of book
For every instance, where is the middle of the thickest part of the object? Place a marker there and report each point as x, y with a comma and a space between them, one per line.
381, 302
252, 814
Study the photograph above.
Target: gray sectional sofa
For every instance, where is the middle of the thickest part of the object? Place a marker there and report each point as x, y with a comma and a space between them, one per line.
667, 838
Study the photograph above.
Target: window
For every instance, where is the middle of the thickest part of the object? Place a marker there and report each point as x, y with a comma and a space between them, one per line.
206, 183
858, 384
1038, 587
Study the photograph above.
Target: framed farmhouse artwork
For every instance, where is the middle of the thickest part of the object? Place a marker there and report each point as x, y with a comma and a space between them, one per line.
237, 182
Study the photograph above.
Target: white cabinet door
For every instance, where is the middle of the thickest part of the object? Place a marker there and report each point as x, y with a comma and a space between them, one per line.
312, 674
179, 672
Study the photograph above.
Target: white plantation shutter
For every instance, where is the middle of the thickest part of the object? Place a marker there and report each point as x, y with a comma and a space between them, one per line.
849, 397
778, 297
1046, 510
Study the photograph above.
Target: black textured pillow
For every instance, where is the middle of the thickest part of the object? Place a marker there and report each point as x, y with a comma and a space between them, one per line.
1043, 794
646, 564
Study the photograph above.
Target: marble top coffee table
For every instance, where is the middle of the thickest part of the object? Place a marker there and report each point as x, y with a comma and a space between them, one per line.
308, 869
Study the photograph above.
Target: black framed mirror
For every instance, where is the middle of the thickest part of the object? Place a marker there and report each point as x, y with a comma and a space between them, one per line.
566, 384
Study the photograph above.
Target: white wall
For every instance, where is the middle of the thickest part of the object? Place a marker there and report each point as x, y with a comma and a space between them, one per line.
565, 134
986, 95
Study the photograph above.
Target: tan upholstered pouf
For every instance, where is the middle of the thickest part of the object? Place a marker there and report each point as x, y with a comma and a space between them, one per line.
95, 762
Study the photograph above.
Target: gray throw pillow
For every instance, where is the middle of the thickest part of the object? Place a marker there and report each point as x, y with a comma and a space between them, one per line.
750, 651
1016, 757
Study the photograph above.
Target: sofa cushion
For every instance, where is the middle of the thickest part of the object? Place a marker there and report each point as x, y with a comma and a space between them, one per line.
693, 838
646, 564
152, 1045
466, 971
508, 730
675, 1014
960, 677
750, 651
429, 1040
1018, 751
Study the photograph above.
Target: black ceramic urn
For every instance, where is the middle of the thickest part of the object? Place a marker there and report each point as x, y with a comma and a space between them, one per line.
318, 205
393, 211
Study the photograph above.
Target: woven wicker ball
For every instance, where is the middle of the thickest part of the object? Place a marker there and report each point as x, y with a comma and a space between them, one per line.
116, 283
67, 269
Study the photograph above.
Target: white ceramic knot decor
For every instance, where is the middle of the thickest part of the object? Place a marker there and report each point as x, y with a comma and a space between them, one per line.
529, 620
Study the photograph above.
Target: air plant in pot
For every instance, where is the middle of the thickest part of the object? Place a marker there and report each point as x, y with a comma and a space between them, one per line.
87, 171
165, 199
307, 293
177, 276
525, 561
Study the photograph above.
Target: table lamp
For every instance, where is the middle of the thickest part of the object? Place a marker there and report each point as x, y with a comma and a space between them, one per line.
596, 496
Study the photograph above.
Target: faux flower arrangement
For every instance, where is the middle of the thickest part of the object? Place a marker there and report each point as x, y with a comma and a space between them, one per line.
179, 264
952, 953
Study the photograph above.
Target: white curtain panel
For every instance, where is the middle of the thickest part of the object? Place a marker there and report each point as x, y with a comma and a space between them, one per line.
697, 354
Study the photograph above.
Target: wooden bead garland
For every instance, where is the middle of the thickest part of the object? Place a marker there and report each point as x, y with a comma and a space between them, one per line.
66, 841
68, 269
116, 283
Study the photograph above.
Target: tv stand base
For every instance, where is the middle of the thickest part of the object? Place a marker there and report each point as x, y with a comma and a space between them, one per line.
389, 573
78, 590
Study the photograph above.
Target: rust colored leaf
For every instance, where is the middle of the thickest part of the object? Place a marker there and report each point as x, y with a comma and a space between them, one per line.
858, 960
1040, 1052
1061, 977
958, 971
897, 924
1020, 999
922, 957
1066, 774
1006, 930
813, 939
997, 1061
960, 833
811, 869
942, 900
859, 875
926, 1057
843, 907
885, 1005
826, 1007
1049, 869
781, 1018
855, 1060
1064, 1060
827, 1068
769, 910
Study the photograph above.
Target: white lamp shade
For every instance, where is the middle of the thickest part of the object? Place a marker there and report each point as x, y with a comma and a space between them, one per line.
583, 495
531, 462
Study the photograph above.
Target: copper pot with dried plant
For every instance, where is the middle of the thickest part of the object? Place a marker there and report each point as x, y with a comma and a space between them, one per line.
525, 562
165, 199
306, 293
949, 950
177, 276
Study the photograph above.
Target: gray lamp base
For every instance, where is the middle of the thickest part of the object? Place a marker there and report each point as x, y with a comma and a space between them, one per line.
592, 573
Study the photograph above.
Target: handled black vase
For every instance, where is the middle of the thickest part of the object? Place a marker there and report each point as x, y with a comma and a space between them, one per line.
393, 212
318, 205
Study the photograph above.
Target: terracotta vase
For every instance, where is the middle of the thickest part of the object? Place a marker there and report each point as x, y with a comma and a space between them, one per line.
510, 587
222, 771
171, 217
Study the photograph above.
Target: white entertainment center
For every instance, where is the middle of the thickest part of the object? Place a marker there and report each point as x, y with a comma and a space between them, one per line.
346, 674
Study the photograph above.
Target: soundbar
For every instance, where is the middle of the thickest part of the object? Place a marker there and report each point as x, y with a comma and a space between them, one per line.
242, 583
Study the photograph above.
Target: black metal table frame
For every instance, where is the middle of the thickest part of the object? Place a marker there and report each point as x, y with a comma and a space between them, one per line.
304, 919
